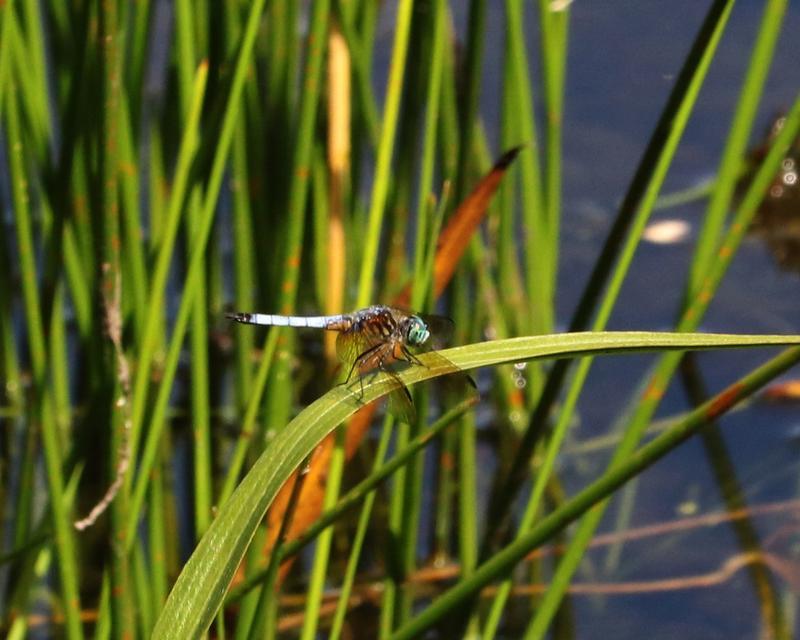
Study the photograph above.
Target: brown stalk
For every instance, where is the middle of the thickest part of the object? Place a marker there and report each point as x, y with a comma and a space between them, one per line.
339, 71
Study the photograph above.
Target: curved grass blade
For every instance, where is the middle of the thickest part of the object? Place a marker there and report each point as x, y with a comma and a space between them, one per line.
201, 587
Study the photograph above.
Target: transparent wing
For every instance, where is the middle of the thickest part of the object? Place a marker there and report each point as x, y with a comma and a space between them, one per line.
350, 345
457, 381
400, 404
441, 328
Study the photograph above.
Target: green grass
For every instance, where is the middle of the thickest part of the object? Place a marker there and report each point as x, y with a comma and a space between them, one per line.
137, 220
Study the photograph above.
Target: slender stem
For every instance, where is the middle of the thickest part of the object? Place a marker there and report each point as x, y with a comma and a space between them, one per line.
44, 409
380, 185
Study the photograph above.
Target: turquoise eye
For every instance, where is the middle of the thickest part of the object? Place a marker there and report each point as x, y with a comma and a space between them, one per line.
417, 332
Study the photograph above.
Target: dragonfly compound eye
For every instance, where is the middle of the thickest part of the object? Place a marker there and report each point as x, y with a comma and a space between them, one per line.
418, 332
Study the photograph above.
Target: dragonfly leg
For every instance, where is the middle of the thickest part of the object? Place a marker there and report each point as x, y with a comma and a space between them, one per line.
350, 372
382, 366
389, 353
360, 360
410, 357
358, 363
378, 355
378, 359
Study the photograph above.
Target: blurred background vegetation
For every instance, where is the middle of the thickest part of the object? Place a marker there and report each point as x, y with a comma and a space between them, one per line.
162, 163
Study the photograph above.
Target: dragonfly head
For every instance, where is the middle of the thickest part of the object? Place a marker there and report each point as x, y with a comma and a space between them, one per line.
417, 333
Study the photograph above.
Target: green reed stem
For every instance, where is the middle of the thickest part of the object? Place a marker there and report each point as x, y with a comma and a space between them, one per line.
6, 18
279, 400
320, 207
322, 551
540, 253
134, 256
426, 235
733, 155
64, 537
468, 101
59, 366
81, 224
137, 54
200, 389
509, 261
465, 471
9, 359
243, 263
77, 280
200, 377
554, 29
145, 607
111, 297
35, 74
167, 233
392, 601
380, 185
361, 531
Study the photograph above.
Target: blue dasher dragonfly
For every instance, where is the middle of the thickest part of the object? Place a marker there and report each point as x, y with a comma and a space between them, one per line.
377, 338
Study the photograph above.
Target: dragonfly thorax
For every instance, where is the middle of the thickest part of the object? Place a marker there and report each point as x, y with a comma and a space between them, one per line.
417, 331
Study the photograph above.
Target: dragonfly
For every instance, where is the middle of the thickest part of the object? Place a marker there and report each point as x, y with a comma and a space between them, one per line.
377, 338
